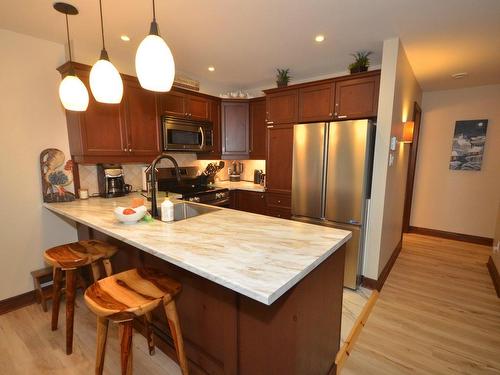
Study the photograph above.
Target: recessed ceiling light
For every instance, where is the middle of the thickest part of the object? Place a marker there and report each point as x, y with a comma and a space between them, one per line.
125, 38
319, 38
460, 75
211, 68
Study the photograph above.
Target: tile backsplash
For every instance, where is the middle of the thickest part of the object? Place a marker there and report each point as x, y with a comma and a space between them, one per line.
133, 172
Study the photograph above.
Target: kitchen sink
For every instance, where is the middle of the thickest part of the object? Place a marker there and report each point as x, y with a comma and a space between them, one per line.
185, 210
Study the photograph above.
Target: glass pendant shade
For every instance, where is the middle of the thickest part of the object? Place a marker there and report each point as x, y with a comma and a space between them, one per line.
154, 64
106, 83
73, 94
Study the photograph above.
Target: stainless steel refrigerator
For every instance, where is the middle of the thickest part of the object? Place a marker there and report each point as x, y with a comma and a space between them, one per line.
331, 183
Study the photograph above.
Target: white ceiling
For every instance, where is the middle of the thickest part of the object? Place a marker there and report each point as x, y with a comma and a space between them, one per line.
247, 40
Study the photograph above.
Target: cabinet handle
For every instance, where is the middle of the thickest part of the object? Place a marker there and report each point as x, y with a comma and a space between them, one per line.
330, 114
279, 201
129, 150
270, 126
270, 122
343, 116
262, 196
336, 104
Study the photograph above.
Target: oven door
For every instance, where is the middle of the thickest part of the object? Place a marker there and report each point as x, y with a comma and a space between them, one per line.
186, 135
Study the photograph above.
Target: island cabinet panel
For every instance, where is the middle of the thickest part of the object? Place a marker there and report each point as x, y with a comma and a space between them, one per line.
143, 126
258, 128
281, 107
234, 125
295, 335
357, 97
251, 201
279, 158
316, 102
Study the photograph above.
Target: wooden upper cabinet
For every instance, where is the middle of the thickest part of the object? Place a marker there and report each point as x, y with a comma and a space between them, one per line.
234, 125
143, 126
258, 128
281, 107
279, 158
102, 126
198, 108
357, 97
185, 105
316, 102
173, 103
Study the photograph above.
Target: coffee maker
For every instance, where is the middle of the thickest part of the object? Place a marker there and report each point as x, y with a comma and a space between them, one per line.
111, 181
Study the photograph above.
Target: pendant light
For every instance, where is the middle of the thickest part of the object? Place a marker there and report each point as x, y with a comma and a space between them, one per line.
154, 63
72, 92
105, 81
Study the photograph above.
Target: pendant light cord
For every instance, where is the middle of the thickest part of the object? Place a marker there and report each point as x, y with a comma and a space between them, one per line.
67, 34
154, 12
102, 25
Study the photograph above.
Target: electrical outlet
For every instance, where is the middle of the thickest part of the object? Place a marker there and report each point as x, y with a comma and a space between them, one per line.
391, 159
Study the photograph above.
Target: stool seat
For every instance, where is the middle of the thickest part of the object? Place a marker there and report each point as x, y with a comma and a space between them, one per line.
132, 293
79, 254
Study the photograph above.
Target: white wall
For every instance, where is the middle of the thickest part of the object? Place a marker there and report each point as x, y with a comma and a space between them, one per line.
457, 201
398, 91
31, 119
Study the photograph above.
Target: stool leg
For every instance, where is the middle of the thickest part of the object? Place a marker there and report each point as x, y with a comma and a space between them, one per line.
149, 333
125, 331
70, 308
102, 335
96, 273
107, 267
175, 329
56, 296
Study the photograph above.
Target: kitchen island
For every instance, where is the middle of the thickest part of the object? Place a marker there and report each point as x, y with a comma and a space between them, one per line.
260, 295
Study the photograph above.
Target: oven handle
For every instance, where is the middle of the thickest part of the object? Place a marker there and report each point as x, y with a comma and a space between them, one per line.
202, 138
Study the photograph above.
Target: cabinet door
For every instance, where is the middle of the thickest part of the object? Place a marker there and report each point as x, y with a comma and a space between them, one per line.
279, 158
215, 152
356, 98
103, 126
198, 108
258, 128
143, 126
281, 107
251, 201
234, 121
316, 103
173, 103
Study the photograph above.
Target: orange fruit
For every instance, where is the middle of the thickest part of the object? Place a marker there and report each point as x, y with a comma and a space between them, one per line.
128, 211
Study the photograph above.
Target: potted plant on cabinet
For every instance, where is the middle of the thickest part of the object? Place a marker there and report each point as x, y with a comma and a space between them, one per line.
282, 78
361, 61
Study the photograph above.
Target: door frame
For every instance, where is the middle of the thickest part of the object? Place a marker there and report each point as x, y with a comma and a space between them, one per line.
412, 164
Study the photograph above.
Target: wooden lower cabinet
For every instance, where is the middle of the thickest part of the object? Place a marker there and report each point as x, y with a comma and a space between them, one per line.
279, 205
249, 201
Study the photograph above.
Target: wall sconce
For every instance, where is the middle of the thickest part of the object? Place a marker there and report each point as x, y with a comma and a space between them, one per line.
408, 132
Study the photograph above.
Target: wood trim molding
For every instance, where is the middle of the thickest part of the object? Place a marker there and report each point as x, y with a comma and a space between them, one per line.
495, 276
452, 236
16, 302
379, 283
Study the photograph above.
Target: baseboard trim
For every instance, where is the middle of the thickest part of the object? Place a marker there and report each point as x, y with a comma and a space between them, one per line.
452, 236
378, 284
495, 276
17, 302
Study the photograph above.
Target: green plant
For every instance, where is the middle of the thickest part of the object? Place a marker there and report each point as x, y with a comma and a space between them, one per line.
361, 61
282, 78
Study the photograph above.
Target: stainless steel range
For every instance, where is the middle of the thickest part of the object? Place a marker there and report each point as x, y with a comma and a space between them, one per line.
193, 188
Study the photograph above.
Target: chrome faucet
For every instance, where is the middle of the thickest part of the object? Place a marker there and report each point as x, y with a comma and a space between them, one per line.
154, 207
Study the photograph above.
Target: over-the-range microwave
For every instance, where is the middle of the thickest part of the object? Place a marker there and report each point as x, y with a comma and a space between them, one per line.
180, 134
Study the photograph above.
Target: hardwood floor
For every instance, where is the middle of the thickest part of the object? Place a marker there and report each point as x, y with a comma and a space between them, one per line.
436, 314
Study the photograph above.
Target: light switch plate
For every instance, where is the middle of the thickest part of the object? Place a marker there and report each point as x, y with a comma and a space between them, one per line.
394, 142
391, 159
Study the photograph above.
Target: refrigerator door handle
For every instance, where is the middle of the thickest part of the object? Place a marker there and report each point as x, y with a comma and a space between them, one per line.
325, 170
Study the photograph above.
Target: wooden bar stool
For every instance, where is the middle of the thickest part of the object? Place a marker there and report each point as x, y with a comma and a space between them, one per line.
127, 295
68, 258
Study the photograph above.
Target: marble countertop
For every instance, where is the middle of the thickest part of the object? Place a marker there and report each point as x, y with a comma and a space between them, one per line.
240, 185
258, 256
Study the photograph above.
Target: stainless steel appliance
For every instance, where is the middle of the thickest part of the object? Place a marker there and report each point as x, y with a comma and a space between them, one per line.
181, 134
235, 171
194, 188
111, 181
331, 183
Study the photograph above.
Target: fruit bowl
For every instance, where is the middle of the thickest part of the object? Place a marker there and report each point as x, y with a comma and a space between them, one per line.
131, 218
